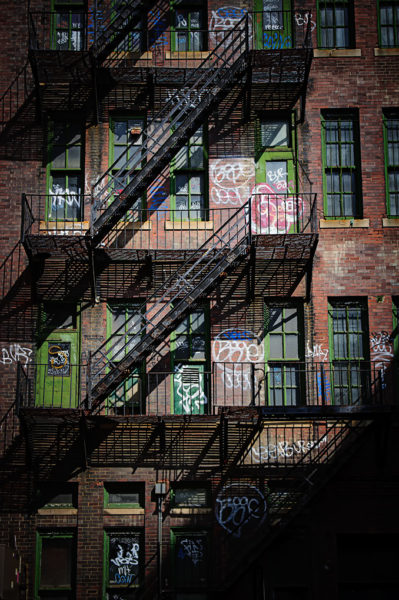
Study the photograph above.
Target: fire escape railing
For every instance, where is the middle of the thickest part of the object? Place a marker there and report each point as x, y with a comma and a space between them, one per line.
169, 129
112, 362
16, 95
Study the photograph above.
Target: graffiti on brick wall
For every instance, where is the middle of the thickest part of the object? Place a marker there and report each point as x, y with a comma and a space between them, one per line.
285, 449
191, 548
231, 181
15, 353
225, 18
158, 24
381, 345
240, 506
302, 20
273, 212
239, 346
323, 388
317, 352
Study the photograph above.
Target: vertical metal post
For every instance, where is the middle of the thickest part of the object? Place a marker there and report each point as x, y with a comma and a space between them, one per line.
159, 510
252, 384
323, 394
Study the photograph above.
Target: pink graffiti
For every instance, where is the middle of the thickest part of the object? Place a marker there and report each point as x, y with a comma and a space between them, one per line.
273, 212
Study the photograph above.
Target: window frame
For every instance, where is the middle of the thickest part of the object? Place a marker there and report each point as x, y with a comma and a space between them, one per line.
51, 534
338, 117
202, 8
68, 7
190, 172
46, 490
190, 485
122, 531
395, 24
176, 532
391, 115
349, 26
135, 487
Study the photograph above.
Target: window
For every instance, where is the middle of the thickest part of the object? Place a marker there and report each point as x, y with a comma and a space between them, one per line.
126, 149
123, 562
68, 26
348, 350
64, 172
124, 495
273, 26
194, 495
57, 495
284, 350
133, 41
189, 179
55, 565
124, 324
341, 166
190, 551
335, 24
190, 358
188, 26
388, 23
391, 143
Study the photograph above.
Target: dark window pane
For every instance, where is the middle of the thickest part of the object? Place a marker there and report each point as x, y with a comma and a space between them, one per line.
56, 562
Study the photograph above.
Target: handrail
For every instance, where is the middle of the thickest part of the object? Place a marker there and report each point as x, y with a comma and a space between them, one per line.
15, 95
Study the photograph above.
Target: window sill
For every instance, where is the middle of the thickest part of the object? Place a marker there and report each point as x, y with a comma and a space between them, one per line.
344, 223
129, 55
390, 222
386, 51
189, 511
124, 511
189, 225
336, 52
187, 55
63, 227
49, 512
135, 225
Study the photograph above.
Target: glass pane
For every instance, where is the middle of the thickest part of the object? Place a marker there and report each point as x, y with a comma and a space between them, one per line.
118, 319
120, 132
274, 133
196, 184
196, 157
193, 497
56, 562
291, 319
276, 319
340, 345
183, 326
276, 174
123, 497
181, 159
276, 346
181, 19
182, 184
74, 157
198, 322
182, 347
198, 347
291, 346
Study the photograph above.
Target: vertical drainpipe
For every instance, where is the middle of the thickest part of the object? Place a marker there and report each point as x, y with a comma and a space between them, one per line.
160, 493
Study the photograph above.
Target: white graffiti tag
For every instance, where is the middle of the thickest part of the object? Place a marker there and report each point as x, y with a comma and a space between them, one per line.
189, 389
239, 505
129, 559
15, 353
303, 20
381, 343
237, 345
226, 18
231, 181
284, 449
316, 352
192, 549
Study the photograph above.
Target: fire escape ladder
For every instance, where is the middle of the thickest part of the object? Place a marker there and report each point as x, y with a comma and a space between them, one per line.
114, 26
117, 356
169, 129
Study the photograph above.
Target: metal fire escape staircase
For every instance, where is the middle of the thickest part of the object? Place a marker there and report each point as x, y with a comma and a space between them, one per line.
169, 130
113, 362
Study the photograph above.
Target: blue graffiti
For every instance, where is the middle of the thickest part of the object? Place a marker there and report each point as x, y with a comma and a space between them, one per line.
158, 36
327, 388
231, 334
91, 25
123, 578
231, 12
158, 194
276, 41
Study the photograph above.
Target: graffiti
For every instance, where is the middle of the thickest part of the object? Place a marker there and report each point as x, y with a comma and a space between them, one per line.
189, 395
278, 179
157, 196
303, 20
94, 22
158, 38
224, 19
231, 181
61, 197
285, 449
381, 343
239, 505
273, 212
316, 352
15, 353
130, 558
186, 97
231, 346
192, 549
58, 359
124, 559
233, 379
323, 395
276, 41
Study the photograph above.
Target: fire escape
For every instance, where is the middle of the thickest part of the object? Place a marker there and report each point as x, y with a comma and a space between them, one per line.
75, 258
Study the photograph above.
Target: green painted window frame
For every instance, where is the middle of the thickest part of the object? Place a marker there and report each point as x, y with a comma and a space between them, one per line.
201, 7
391, 146
139, 373
394, 25
69, 8
338, 124
191, 486
194, 214
53, 170
271, 35
43, 591
286, 373
131, 121
347, 26
47, 492
176, 532
124, 487
344, 372
204, 308
122, 587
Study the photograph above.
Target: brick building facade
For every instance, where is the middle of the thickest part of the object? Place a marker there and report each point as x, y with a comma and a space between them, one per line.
198, 228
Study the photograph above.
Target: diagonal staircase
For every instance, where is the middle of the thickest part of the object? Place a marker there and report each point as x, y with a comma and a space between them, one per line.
169, 130
116, 23
113, 362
